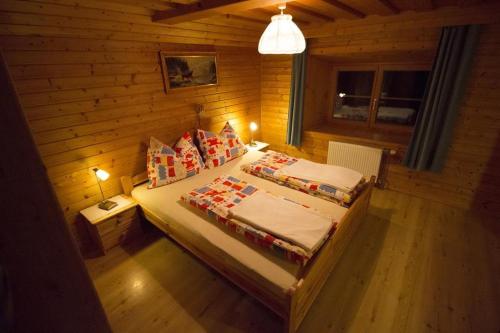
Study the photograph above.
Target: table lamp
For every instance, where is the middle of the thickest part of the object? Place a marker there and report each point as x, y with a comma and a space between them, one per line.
253, 128
101, 176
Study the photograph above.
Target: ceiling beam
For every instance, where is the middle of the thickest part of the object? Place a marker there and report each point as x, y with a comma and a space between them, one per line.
426, 5
486, 13
248, 18
234, 21
392, 7
345, 8
207, 8
266, 14
257, 14
308, 13
375, 48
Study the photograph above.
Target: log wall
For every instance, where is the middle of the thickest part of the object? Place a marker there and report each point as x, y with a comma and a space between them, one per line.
90, 82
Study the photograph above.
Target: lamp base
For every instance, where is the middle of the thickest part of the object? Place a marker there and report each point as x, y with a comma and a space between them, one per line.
253, 144
107, 204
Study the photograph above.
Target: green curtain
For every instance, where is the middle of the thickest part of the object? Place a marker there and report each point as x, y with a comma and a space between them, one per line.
296, 107
444, 92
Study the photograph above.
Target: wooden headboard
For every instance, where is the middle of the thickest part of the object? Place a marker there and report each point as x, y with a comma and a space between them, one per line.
128, 182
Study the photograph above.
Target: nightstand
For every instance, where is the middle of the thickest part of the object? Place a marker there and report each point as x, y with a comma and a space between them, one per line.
259, 146
113, 227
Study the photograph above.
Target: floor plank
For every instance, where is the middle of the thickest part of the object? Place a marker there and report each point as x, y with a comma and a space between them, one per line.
413, 266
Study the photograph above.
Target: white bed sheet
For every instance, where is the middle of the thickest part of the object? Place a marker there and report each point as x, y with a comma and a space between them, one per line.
165, 203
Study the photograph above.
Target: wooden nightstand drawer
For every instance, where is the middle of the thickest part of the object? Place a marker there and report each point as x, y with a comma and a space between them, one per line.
121, 232
121, 220
114, 227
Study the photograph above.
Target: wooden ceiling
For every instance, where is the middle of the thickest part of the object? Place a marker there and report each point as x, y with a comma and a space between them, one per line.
304, 12
241, 22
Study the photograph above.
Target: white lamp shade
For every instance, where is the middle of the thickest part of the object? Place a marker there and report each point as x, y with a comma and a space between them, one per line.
282, 36
102, 175
253, 126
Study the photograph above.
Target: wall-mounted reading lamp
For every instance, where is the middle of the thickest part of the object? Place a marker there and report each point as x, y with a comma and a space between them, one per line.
253, 128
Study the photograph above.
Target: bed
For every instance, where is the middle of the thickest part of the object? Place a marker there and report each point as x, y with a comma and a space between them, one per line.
285, 288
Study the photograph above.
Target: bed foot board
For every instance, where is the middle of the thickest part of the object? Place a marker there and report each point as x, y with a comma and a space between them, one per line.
307, 289
290, 323
288, 326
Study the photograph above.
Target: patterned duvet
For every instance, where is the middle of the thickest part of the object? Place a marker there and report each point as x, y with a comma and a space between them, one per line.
266, 168
216, 198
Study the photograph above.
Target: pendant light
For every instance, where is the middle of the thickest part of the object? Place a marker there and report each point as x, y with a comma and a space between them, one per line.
282, 36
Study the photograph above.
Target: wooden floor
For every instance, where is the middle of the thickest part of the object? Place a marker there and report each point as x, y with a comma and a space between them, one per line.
414, 266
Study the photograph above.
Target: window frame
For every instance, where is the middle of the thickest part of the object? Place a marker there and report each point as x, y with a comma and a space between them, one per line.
378, 70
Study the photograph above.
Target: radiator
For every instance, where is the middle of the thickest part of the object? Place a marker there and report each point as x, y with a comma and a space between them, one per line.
365, 160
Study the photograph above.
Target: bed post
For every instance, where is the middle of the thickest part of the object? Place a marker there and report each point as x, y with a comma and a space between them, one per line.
127, 185
290, 321
303, 294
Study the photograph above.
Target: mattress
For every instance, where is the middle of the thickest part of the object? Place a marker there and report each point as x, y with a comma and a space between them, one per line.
209, 237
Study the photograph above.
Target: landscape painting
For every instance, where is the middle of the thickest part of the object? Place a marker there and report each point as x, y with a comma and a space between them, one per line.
185, 71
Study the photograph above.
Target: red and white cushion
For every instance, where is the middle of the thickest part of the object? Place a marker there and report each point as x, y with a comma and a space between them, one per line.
166, 165
234, 142
189, 154
219, 149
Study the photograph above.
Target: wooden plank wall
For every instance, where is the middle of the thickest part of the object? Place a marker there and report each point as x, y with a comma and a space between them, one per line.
275, 87
91, 86
275, 94
317, 97
469, 178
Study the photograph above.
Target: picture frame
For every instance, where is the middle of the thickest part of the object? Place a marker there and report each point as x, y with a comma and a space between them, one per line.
188, 70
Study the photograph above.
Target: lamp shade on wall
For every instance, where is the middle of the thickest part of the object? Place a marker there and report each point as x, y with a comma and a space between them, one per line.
282, 36
101, 174
253, 126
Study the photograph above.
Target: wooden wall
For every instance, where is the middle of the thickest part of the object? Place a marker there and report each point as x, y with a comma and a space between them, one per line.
275, 94
317, 97
90, 83
275, 86
469, 178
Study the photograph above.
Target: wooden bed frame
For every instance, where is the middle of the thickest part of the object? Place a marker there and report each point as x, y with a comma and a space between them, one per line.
292, 305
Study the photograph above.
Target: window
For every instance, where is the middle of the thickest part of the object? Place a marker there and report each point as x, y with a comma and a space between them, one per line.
354, 91
400, 96
379, 96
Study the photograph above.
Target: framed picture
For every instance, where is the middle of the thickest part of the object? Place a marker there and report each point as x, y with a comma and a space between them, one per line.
188, 70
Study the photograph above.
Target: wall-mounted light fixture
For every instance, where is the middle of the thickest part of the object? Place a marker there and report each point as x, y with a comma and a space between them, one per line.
253, 128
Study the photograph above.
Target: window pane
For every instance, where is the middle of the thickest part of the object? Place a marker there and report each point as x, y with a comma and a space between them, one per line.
353, 95
355, 83
401, 96
405, 84
353, 108
397, 111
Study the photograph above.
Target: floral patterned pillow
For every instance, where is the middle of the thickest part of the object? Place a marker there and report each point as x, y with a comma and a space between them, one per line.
164, 167
219, 149
237, 146
189, 155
